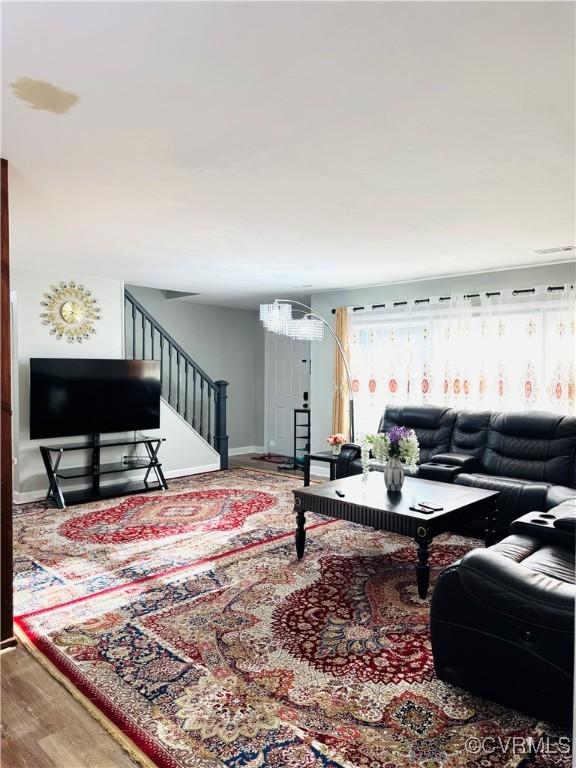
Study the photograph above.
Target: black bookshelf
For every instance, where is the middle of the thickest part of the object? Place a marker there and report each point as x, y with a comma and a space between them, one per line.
301, 436
52, 456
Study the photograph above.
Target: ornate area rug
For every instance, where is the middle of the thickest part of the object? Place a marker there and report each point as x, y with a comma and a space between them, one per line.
245, 656
61, 555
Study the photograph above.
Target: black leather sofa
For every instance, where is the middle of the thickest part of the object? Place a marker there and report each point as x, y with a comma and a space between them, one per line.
502, 619
529, 457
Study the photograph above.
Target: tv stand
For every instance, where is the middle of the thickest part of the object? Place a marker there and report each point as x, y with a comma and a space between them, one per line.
95, 470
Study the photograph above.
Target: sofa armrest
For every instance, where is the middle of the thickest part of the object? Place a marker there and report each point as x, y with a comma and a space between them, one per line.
555, 527
441, 473
445, 467
463, 460
348, 453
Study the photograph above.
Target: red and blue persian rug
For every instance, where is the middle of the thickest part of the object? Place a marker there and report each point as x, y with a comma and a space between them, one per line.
184, 622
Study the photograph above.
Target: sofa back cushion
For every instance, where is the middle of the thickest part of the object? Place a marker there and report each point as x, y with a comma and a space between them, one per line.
433, 426
533, 445
470, 433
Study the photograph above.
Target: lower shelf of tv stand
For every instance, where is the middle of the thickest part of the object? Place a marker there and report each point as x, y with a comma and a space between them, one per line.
109, 491
105, 469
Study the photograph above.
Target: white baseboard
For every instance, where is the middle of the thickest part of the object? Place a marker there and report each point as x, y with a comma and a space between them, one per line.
171, 473
246, 449
25, 497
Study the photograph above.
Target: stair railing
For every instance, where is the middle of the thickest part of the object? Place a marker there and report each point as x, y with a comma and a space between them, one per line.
184, 385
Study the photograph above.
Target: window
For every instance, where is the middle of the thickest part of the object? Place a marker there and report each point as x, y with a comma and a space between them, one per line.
495, 352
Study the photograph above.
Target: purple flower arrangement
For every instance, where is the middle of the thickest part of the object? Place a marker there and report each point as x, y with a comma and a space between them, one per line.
399, 443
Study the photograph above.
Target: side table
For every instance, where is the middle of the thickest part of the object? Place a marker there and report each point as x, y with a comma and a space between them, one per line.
325, 456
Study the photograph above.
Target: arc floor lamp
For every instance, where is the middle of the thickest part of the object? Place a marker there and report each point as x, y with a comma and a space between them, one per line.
278, 317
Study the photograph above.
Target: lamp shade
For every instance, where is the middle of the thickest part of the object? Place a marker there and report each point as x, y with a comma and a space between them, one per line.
275, 316
305, 329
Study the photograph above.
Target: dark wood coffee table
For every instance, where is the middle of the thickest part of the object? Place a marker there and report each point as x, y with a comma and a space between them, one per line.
369, 503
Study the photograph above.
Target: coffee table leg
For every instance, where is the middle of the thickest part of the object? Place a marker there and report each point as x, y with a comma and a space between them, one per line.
307, 469
300, 531
422, 569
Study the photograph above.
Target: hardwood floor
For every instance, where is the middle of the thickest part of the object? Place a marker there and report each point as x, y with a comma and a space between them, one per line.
42, 725
248, 460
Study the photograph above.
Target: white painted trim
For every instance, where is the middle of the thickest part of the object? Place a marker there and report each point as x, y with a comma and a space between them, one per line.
191, 471
245, 449
26, 497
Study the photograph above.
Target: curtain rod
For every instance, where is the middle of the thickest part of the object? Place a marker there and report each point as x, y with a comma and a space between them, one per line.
488, 294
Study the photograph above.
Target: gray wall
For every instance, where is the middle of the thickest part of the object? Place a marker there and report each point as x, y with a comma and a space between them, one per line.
228, 344
323, 352
183, 453
32, 339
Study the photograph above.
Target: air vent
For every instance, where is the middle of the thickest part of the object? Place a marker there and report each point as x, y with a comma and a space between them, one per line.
562, 249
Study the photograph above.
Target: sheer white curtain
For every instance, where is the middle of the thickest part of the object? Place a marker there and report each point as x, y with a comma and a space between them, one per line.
505, 351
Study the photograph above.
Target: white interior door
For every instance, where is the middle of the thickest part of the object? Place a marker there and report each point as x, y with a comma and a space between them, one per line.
287, 387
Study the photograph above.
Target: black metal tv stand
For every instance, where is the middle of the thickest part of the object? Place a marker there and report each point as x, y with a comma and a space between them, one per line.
95, 470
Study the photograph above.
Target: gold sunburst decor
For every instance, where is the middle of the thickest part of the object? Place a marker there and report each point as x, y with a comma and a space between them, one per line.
70, 310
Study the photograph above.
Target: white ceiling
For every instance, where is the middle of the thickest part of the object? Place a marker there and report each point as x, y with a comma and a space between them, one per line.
243, 150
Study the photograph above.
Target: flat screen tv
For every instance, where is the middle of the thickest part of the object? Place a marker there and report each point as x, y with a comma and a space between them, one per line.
86, 397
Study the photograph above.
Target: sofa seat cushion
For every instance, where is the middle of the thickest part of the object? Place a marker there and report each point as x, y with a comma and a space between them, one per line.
552, 561
558, 494
524, 579
517, 496
567, 507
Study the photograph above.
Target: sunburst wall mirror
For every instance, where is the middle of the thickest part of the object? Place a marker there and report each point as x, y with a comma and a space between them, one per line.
71, 311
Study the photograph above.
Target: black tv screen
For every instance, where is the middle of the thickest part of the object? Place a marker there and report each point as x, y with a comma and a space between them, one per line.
84, 397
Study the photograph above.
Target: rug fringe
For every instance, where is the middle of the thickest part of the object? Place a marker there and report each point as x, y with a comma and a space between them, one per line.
117, 734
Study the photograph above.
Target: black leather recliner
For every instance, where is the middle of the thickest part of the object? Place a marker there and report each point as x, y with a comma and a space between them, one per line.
432, 424
467, 444
502, 619
528, 457
526, 454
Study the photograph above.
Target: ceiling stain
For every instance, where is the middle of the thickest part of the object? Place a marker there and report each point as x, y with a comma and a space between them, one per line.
41, 95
